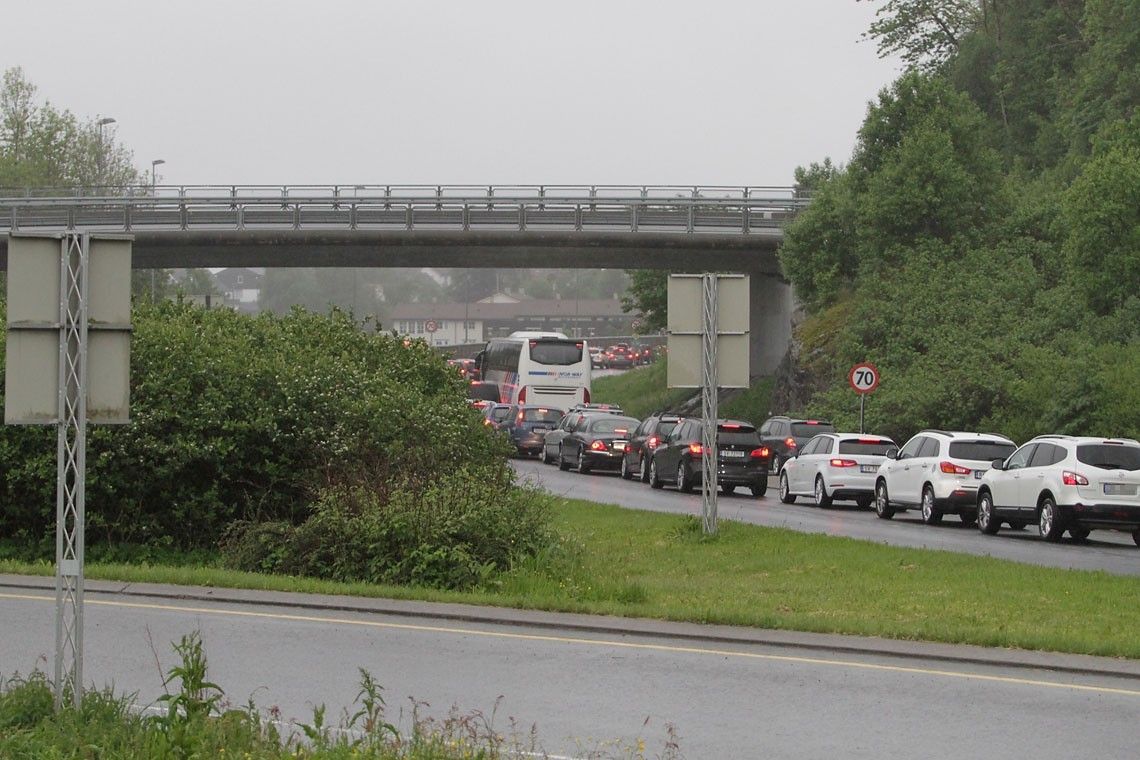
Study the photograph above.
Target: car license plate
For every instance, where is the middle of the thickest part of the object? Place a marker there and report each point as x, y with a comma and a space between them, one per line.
620, 445
732, 454
978, 474
1119, 489
868, 468
537, 429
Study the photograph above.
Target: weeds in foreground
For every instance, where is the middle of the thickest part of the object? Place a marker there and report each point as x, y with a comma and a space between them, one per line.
192, 723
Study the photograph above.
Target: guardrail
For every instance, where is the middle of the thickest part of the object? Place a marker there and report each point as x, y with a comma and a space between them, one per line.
403, 207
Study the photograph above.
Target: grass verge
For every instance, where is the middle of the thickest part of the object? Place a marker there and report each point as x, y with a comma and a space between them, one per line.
641, 391
640, 564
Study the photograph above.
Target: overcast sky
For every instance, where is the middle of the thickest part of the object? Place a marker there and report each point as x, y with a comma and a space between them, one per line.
582, 92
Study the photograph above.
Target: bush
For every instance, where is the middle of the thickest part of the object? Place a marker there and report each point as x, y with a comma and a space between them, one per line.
453, 533
249, 418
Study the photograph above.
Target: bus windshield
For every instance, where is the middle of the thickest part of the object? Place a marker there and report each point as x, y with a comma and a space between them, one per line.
556, 352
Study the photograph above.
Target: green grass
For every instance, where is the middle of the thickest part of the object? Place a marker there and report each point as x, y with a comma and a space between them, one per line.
640, 391
641, 564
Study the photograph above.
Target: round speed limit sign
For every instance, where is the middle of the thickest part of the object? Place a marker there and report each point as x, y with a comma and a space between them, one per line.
863, 377
431, 326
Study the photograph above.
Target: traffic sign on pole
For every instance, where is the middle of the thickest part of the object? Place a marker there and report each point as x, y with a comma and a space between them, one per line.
431, 326
863, 377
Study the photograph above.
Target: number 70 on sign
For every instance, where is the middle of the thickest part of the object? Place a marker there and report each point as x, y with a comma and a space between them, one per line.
863, 377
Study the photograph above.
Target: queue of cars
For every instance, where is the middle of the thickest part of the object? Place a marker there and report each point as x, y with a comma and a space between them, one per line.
1064, 484
621, 356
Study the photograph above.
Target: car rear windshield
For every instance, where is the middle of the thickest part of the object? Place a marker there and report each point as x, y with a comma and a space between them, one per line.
559, 352
500, 412
613, 425
737, 433
664, 427
1110, 456
980, 451
483, 391
808, 429
541, 415
869, 446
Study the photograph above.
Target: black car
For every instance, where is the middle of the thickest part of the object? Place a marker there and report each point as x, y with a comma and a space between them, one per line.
649, 435
527, 426
552, 441
741, 459
785, 435
619, 357
597, 441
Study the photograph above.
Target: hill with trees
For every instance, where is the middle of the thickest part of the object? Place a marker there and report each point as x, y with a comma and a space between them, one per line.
982, 247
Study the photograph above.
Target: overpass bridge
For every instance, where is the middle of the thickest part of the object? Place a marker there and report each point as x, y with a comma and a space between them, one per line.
676, 228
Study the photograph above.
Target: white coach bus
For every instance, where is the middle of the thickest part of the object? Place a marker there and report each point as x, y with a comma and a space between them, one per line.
543, 368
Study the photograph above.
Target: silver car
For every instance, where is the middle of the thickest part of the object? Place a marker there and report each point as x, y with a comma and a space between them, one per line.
835, 466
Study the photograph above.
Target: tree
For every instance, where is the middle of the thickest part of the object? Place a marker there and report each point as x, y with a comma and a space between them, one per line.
648, 295
925, 33
810, 179
41, 146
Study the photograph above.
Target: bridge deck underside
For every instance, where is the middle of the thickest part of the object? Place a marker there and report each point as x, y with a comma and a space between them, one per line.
645, 249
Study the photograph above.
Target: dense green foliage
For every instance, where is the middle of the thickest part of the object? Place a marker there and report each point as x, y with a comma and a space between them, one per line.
254, 419
983, 245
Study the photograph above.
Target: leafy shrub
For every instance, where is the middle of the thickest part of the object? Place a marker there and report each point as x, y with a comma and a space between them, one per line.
248, 418
454, 533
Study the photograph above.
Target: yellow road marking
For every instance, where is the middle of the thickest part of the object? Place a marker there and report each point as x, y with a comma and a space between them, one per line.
599, 642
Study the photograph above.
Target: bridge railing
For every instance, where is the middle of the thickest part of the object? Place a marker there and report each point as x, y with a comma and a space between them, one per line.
740, 210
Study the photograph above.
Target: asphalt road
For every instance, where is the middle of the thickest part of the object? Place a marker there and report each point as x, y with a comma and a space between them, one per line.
597, 690
1109, 551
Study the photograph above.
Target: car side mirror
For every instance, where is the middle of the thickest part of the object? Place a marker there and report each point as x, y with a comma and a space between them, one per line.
998, 464
893, 453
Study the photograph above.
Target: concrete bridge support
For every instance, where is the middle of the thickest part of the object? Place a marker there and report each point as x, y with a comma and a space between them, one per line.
771, 304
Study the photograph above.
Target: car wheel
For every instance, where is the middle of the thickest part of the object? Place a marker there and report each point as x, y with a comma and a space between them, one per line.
546, 455
760, 488
930, 513
1080, 535
883, 507
562, 463
1049, 522
822, 500
786, 495
727, 490
1136, 536
626, 474
987, 523
777, 463
684, 482
644, 467
654, 478
582, 467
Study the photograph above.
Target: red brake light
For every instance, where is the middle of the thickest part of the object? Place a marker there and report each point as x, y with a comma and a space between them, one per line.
533, 343
522, 394
952, 469
520, 417
872, 440
597, 446
621, 431
813, 422
487, 422
1074, 479
761, 453
586, 395
652, 442
730, 426
790, 442
696, 449
843, 463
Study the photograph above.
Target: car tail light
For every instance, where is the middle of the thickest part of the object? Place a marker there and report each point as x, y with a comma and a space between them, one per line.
597, 445
843, 463
761, 453
1074, 479
952, 469
696, 449
520, 417
790, 442
621, 431
586, 395
813, 422
652, 443
730, 426
522, 394
487, 423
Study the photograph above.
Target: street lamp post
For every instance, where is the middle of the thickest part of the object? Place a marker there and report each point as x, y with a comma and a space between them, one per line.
99, 153
153, 193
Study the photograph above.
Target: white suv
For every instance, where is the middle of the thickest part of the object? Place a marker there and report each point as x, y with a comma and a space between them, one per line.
938, 472
1064, 482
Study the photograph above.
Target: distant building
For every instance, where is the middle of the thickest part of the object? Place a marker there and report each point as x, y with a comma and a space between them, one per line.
240, 287
450, 324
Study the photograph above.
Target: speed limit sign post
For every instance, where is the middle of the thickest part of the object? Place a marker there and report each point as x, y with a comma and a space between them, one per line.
864, 379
